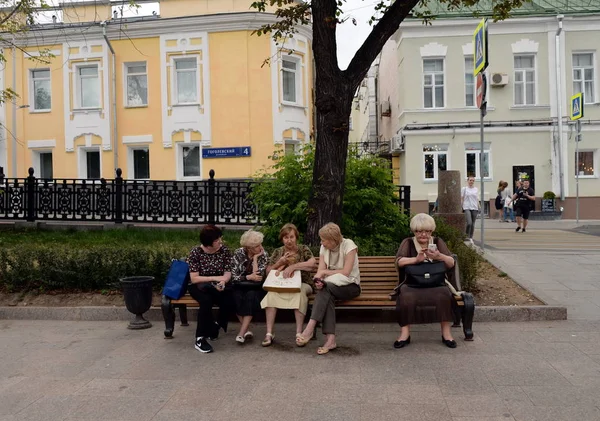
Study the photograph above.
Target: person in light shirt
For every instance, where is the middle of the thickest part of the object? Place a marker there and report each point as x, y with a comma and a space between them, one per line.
470, 205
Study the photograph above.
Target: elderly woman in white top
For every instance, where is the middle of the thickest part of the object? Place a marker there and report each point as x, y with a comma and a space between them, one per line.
337, 278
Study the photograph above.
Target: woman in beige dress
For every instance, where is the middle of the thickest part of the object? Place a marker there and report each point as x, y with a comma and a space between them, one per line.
289, 258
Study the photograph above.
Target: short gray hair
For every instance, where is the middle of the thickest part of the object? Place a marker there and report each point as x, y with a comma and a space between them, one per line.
422, 222
251, 239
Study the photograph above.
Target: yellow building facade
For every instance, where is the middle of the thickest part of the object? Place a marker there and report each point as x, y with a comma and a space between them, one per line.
164, 97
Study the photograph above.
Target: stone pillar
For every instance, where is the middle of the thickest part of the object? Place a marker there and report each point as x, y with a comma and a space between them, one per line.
449, 200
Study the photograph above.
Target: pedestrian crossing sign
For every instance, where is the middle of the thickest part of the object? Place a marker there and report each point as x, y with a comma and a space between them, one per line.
480, 47
577, 106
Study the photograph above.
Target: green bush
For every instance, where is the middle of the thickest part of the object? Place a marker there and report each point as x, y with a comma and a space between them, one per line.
91, 260
371, 215
31, 266
549, 195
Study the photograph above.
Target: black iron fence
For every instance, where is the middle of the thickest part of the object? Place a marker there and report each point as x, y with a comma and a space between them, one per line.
140, 201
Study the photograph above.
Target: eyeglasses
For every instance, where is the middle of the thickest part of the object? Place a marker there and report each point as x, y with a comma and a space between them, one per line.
423, 232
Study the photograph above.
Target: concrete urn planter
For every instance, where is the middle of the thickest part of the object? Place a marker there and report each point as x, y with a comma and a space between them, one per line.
137, 291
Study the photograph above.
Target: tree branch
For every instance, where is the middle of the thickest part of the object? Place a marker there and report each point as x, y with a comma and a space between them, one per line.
12, 12
382, 31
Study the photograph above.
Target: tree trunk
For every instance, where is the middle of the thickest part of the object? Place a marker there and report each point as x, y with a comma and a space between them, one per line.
329, 173
334, 93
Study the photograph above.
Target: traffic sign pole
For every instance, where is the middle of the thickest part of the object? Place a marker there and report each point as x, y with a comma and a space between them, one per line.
480, 62
576, 114
577, 139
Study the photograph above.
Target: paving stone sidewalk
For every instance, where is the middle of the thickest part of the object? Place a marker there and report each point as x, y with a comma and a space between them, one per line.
101, 371
556, 260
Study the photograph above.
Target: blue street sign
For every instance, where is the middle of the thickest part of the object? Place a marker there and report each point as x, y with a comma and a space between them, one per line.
577, 106
480, 47
233, 152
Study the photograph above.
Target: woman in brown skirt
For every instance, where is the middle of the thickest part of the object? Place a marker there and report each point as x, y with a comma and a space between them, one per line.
424, 305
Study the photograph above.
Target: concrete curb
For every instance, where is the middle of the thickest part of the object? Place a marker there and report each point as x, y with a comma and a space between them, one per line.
482, 314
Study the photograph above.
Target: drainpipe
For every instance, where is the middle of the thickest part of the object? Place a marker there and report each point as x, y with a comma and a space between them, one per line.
115, 143
559, 99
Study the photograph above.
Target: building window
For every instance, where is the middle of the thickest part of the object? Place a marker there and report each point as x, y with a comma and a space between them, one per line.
42, 97
291, 147
189, 164
186, 81
433, 83
525, 80
88, 86
290, 79
141, 163
435, 158
473, 152
586, 164
583, 76
469, 82
42, 164
137, 84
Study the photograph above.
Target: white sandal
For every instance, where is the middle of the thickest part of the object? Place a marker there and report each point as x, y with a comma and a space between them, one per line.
268, 341
248, 335
240, 339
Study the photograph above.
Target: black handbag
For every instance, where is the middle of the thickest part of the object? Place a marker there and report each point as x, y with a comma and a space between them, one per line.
426, 275
245, 285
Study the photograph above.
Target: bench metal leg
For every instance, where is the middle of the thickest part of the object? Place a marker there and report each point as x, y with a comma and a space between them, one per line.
183, 315
169, 316
457, 314
467, 315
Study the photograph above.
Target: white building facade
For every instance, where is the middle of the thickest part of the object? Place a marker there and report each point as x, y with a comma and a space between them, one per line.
426, 75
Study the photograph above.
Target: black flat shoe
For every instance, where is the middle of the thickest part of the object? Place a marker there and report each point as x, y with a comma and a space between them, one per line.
449, 344
401, 344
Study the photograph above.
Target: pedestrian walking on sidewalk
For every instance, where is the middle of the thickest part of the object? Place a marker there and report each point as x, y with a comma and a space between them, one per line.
470, 205
522, 199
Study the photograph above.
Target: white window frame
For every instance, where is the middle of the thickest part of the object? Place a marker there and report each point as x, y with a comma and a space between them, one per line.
469, 70
78, 90
174, 93
477, 152
524, 71
295, 142
179, 161
297, 79
37, 163
82, 161
32, 80
436, 160
131, 161
126, 75
445, 99
594, 160
582, 81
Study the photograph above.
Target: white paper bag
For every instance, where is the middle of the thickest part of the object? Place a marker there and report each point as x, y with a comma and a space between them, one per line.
280, 284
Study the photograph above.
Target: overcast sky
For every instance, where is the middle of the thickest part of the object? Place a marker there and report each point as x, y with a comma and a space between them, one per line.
350, 36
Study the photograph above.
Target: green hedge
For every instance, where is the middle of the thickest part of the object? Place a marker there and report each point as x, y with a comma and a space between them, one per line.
44, 267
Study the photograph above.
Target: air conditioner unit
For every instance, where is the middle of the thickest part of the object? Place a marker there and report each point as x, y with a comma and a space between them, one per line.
397, 143
499, 79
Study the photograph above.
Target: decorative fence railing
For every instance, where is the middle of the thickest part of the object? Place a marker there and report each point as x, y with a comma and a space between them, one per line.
118, 200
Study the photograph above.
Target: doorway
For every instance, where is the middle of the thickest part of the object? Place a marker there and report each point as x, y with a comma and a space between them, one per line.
525, 172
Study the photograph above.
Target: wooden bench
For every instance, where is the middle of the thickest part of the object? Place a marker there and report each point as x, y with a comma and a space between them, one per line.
378, 278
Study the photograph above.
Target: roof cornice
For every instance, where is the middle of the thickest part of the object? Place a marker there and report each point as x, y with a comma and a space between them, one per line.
52, 34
